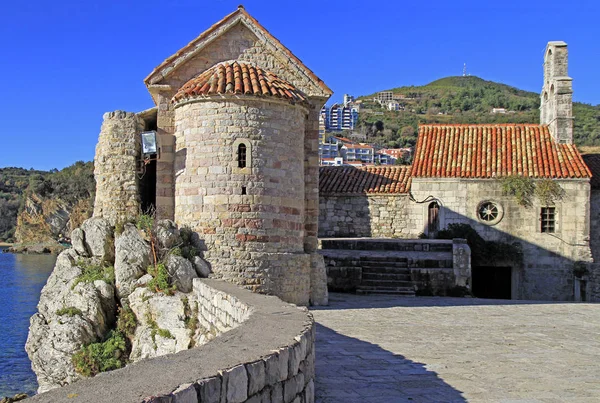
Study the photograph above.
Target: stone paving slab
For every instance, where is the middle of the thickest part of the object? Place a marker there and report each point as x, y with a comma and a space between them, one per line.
428, 349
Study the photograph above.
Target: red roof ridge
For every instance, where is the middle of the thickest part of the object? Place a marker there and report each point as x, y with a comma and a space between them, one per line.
494, 150
241, 12
480, 125
238, 78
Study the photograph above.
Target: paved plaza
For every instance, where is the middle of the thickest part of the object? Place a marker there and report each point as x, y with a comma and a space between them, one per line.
428, 349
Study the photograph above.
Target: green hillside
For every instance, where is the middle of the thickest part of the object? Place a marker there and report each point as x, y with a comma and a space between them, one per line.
69, 185
13, 185
463, 100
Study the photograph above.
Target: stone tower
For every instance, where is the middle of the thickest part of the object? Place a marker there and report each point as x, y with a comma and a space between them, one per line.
237, 124
556, 109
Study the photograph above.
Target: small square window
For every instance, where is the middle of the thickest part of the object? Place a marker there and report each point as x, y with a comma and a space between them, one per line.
548, 219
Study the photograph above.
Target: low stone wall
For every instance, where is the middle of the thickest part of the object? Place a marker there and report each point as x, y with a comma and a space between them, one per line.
264, 353
378, 216
436, 267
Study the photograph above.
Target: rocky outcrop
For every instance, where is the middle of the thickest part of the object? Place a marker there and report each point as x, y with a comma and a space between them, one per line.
99, 238
167, 234
162, 327
132, 258
80, 301
71, 313
181, 271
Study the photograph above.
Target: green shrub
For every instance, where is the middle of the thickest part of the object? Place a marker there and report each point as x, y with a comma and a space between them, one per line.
126, 321
101, 357
548, 191
164, 333
522, 188
145, 222
91, 272
161, 281
69, 311
157, 330
191, 319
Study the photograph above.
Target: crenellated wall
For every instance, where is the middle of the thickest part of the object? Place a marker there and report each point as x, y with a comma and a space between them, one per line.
264, 352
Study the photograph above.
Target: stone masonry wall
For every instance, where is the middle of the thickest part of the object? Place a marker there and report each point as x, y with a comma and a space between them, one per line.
115, 167
245, 214
547, 269
264, 352
237, 43
377, 216
218, 311
593, 278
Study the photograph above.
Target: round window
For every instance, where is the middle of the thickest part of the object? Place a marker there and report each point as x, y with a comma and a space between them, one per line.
489, 212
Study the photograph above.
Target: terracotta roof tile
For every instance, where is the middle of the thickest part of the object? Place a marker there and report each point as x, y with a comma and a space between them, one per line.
241, 78
487, 151
364, 180
593, 163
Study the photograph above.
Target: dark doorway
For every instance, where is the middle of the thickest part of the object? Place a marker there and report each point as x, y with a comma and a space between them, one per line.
433, 219
148, 187
491, 282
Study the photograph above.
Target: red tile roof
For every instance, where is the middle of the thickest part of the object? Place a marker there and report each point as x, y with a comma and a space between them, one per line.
238, 77
593, 163
487, 151
365, 180
227, 19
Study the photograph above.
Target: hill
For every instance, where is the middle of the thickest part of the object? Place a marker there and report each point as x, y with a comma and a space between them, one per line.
13, 185
463, 100
38, 206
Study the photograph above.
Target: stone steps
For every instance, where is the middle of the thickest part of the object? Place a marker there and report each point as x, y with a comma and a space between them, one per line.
386, 283
387, 276
405, 291
385, 245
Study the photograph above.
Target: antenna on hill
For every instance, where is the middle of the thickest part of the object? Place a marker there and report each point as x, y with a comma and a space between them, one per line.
465, 70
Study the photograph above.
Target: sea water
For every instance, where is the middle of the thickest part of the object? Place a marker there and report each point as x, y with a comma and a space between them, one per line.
21, 280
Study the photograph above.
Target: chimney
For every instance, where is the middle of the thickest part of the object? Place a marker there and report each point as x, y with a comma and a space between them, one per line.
556, 109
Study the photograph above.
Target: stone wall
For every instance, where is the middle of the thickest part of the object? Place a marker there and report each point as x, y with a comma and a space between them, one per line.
592, 286
264, 352
377, 216
435, 267
115, 167
546, 272
254, 214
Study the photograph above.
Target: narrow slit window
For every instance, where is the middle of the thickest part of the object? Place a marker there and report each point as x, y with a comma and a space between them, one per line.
242, 156
548, 219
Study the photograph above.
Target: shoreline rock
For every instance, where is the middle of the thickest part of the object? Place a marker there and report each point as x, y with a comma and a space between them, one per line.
43, 248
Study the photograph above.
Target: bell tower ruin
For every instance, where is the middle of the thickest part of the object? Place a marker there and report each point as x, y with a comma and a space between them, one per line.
556, 107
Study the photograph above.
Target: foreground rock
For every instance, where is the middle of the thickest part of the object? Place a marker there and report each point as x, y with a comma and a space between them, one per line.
132, 258
15, 398
79, 303
162, 327
70, 314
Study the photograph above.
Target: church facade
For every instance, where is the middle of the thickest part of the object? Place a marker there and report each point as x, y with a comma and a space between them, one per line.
460, 175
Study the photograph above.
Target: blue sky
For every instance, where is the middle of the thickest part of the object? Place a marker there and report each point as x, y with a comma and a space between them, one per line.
64, 63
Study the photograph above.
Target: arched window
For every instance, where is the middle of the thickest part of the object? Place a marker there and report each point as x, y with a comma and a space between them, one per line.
433, 219
241, 155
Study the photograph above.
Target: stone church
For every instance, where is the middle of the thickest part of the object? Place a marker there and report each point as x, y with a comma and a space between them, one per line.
233, 155
456, 177
236, 159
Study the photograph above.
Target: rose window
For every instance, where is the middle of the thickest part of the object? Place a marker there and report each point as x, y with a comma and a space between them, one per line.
489, 212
